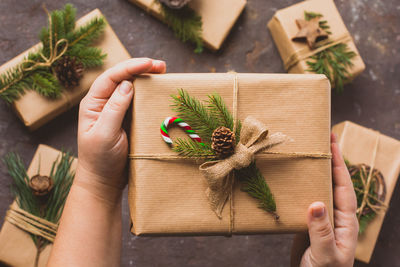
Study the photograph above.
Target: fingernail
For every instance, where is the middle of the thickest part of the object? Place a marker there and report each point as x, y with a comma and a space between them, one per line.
158, 62
318, 211
125, 87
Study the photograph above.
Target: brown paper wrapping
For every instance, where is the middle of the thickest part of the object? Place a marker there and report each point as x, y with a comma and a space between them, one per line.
167, 197
218, 17
16, 246
35, 110
283, 28
357, 144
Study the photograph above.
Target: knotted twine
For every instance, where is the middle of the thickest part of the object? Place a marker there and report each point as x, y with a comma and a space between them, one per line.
367, 181
54, 55
31, 223
305, 52
219, 174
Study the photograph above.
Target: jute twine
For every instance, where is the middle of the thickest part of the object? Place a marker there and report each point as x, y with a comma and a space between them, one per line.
31, 223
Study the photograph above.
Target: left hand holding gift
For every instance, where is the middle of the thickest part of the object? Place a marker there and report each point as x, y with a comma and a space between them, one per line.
102, 143
332, 246
90, 228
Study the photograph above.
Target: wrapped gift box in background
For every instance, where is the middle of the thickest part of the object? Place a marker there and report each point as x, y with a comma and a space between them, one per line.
36, 110
295, 54
357, 144
218, 17
167, 197
16, 246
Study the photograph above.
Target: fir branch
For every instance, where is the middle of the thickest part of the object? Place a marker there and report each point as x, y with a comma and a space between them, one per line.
15, 81
85, 35
50, 210
254, 184
185, 23
196, 114
89, 56
219, 110
323, 24
192, 149
333, 62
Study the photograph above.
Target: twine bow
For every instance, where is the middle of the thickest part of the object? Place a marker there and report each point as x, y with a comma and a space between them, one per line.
366, 180
253, 138
54, 55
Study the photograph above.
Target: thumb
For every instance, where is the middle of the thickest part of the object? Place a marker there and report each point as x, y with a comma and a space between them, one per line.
321, 233
112, 115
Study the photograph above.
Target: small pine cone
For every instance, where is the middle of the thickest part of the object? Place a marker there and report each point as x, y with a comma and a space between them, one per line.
223, 142
175, 4
69, 71
41, 185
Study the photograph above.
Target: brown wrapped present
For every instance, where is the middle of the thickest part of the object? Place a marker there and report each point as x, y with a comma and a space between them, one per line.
167, 194
295, 54
36, 110
218, 17
17, 248
358, 145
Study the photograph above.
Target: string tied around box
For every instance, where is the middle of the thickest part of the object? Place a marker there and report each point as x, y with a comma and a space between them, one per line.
31, 223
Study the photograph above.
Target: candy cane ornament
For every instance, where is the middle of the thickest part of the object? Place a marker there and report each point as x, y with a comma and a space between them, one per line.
175, 120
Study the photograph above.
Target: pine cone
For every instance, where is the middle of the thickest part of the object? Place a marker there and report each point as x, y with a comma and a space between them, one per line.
223, 142
175, 4
69, 71
41, 185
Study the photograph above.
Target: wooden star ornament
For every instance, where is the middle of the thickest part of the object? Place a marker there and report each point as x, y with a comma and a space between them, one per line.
310, 31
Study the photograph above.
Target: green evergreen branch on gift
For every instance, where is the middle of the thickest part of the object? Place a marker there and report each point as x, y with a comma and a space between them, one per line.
37, 71
253, 182
51, 207
192, 149
185, 23
334, 61
196, 114
204, 120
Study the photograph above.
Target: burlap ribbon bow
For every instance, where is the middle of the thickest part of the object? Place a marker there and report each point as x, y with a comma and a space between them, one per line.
253, 138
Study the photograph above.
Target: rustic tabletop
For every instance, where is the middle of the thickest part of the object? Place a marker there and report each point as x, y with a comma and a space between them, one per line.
372, 100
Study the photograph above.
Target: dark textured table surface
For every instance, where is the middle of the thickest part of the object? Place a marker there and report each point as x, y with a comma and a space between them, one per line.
372, 100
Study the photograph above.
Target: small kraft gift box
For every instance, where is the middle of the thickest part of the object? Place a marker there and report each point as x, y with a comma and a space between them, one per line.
312, 38
214, 19
374, 159
41, 84
267, 159
26, 239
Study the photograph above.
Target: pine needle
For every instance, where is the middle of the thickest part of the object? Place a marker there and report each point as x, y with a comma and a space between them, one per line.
196, 114
192, 149
254, 184
185, 23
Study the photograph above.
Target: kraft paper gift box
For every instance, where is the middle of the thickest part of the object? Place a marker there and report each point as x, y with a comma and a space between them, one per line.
17, 248
358, 144
167, 196
295, 54
218, 17
35, 110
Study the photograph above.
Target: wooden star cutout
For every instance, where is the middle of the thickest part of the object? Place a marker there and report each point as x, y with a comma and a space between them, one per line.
310, 31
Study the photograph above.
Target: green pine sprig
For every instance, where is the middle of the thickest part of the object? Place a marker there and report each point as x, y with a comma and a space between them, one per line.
334, 61
192, 149
253, 182
15, 81
52, 208
196, 114
185, 23
204, 118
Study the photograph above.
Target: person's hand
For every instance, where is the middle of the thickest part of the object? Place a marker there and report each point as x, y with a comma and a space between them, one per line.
333, 247
102, 143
